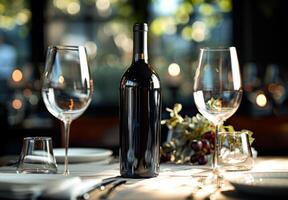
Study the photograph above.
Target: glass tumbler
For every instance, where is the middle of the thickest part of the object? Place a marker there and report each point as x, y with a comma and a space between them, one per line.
37, 156
235, 151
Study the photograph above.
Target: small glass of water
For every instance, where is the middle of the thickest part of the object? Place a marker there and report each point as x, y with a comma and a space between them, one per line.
37, 156
235, 151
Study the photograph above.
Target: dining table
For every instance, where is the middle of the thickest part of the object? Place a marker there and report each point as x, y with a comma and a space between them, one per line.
174, 182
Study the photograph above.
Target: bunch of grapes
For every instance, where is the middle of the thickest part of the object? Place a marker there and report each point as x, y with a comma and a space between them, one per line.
167, 150
199, 148
202, 148
193, 138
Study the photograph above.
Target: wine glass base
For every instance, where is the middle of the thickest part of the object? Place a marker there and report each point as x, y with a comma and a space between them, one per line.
209, 183
66, 173
214, 178
211, 178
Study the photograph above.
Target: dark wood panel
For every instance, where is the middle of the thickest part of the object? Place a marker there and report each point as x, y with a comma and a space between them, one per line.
270, 133
95, 132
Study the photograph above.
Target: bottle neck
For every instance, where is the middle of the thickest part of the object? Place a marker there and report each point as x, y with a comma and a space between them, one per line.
140, 51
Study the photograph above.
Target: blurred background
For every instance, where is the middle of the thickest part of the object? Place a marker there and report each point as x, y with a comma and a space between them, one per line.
177, 29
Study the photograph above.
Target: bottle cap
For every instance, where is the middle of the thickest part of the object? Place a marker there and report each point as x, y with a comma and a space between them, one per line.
140, 27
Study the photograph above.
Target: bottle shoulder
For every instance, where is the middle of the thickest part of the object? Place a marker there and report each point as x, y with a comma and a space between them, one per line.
142, 75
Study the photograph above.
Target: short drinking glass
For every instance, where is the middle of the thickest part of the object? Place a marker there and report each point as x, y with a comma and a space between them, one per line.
235, 152
37, 156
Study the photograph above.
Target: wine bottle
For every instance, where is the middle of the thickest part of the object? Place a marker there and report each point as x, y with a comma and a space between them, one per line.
140, 112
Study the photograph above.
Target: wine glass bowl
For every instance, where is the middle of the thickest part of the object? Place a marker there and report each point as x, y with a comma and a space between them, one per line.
217, 88
217, 106
67, 87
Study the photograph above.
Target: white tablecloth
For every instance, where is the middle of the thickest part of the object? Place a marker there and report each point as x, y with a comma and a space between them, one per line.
173, 182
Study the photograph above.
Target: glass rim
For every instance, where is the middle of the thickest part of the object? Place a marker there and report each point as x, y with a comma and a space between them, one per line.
38, 138
217, 48
66, 47
233, 132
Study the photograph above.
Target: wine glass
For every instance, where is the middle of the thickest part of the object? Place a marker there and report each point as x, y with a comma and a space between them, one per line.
217, 90
67, 87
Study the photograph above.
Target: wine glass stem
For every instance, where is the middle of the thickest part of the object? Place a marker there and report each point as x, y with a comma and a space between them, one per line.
66, 138
216, 150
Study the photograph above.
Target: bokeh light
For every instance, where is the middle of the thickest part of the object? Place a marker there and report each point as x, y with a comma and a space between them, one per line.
16, 104
124, 42
23, 17
91, 49
102, 5
198, 31
261, 100
206, 9
61, 4
164, 25
27, 92
174, 69
17, 75
73, 8
33, 100
61, 79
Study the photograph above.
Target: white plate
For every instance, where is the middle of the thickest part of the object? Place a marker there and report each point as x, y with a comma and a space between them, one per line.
264, 183
77, 155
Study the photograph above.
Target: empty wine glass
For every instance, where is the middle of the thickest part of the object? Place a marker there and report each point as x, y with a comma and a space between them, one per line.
217, 90
67, 87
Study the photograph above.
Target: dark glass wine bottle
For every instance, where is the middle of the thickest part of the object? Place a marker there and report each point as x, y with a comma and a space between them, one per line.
140, 113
